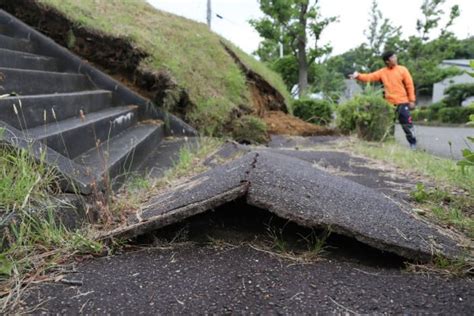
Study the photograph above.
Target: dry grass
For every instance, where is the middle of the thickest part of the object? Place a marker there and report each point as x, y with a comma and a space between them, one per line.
136, 193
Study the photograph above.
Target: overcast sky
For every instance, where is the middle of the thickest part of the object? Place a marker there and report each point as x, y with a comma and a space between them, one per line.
344, 35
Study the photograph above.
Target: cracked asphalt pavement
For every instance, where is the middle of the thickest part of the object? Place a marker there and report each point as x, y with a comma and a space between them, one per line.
297, 190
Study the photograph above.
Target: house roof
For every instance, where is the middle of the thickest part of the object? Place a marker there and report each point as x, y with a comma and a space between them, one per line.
457, 62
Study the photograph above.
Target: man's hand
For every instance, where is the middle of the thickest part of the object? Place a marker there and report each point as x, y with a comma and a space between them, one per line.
411, 105
354, 75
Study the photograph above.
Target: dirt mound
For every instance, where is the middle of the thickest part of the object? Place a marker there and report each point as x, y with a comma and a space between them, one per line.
284, 124
269, 104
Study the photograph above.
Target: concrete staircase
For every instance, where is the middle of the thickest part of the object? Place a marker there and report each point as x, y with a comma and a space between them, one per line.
92, 134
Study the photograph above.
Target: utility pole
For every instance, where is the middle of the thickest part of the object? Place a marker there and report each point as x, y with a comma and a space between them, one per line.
209, 13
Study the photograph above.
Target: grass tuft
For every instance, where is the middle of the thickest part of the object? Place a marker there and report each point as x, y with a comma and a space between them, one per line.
36, 244
24, 181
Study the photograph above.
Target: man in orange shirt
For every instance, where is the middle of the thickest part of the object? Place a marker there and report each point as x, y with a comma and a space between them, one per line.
398, 90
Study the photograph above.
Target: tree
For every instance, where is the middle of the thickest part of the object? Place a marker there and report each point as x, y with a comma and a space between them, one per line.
422, 55
366, 57
295, 24
379, 31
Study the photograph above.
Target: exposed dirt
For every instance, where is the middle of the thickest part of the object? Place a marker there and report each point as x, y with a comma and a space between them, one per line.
264, 96
270, 105
284, 124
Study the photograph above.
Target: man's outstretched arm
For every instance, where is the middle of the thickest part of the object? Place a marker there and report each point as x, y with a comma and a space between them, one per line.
373, 76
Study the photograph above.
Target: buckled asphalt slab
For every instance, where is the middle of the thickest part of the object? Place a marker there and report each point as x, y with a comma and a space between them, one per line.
297, 190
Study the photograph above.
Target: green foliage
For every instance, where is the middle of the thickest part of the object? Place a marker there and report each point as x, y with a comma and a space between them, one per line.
457, 93
23, 180
287, 67
368, 114
314, 111
421, 114
434, 109
446, 207
423, 59
292, 24
380, 29
440, 171
468, 153
439, 112
419, 54
185, 158
284, 22
455, 115
36, 242
249, 129
420, 194
327, 81
361, 59
186, 51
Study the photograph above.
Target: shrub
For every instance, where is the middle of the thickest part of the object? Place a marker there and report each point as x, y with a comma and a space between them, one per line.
433, 113
313, 111
421, 114
369, 115
456, 114
249, 129
468, 153
457, 93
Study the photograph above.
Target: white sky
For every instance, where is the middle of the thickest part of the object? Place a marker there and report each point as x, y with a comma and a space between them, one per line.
344, 35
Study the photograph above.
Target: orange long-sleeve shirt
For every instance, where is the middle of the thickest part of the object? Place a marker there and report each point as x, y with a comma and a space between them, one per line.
397, 82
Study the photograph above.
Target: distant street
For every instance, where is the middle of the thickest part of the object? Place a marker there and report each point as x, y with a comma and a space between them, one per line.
435, 140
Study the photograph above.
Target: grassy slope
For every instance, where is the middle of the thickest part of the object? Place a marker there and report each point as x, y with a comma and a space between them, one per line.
186, 48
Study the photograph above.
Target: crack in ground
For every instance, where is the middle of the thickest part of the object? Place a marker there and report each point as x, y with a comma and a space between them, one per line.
293, 189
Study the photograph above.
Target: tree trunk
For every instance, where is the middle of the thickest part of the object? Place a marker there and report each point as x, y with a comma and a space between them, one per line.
302, 59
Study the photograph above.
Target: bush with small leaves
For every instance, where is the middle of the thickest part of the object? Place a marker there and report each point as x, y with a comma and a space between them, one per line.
249, 129
313, 111
368, 114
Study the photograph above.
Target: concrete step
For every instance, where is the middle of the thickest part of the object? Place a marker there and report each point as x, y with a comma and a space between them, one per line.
15, 59
30, 82
74, 136
10, 31
164, 157
114, 159
37, 110
12, 43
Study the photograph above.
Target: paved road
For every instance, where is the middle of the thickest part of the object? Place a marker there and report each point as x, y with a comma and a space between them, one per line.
435, 140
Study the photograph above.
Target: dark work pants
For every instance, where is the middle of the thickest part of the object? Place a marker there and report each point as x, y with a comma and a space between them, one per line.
404, 117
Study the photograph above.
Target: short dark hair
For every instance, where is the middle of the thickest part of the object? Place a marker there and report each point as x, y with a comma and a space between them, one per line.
387, 55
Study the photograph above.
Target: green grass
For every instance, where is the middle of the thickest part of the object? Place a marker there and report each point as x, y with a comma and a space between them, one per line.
32, 241
36, 245
23, 181
187, 49
444, 204
442, 171
446, 208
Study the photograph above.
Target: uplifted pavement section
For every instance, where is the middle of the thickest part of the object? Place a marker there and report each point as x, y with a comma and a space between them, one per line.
297, 190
